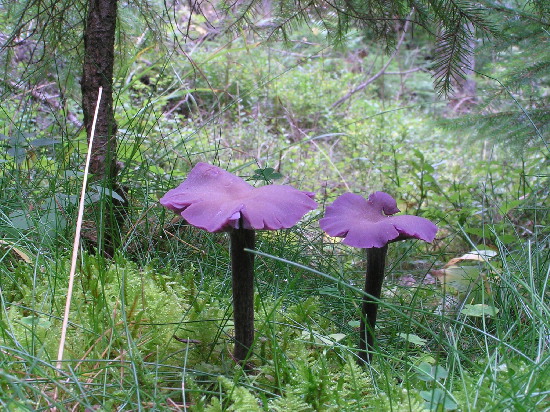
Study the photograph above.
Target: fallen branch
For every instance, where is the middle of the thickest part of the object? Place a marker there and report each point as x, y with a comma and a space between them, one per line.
416, 69
52, 101
380, 72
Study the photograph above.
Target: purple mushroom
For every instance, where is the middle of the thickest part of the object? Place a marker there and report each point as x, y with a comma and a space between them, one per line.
368, 224
218, 201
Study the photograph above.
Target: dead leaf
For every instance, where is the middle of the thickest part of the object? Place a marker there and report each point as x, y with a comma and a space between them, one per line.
22, 254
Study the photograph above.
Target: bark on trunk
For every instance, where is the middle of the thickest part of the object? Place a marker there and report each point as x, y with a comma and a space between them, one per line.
99, 41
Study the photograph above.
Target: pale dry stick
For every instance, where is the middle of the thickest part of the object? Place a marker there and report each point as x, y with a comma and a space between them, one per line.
76, 243
183, 377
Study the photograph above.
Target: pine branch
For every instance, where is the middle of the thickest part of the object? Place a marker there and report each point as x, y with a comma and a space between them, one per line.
457, 22
451, 52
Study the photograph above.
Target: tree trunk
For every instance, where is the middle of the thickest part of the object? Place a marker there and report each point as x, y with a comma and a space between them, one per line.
99, 43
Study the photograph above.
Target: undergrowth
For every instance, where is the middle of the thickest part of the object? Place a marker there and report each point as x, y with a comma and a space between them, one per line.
160, 335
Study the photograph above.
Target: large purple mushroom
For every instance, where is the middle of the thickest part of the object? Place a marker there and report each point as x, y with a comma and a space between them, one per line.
369, 224
215, 200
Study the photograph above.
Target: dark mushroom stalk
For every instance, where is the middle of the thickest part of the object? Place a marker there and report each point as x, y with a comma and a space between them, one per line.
376, 263
217, 201
242, 274
369, 224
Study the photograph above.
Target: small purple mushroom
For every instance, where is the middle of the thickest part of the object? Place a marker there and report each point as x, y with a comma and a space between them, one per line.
216, 200
367, 224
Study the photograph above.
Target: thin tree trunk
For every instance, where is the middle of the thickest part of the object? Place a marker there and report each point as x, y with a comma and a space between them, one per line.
99, 42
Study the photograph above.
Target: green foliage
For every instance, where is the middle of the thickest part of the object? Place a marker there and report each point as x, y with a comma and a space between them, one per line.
117, 305
152, 328
267, 175
315, 386
453, 20
514, 108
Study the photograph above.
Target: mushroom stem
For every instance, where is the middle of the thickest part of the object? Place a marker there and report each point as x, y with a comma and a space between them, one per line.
376, 262
242, 270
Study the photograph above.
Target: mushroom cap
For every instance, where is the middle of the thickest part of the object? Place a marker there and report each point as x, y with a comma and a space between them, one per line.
367, 223
215, 200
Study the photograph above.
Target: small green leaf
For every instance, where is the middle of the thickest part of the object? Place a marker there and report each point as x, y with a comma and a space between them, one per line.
507, 239
101, 190
329, 340
36, 321
479, 310
19, 153
428, 168
19, 220
354, 323
266, 174
337, 337
474, 231
19, 139
70, 174
329, 290
427, 372
156, 170
418, 154
429, 178
412, 338
424, 371
66, 200
510, 205
437, 397
44, 142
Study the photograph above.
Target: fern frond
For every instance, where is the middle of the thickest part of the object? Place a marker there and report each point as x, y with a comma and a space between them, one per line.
292, 402
515, 80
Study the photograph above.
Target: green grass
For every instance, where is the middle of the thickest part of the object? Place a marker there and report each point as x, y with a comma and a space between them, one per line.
121, 350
